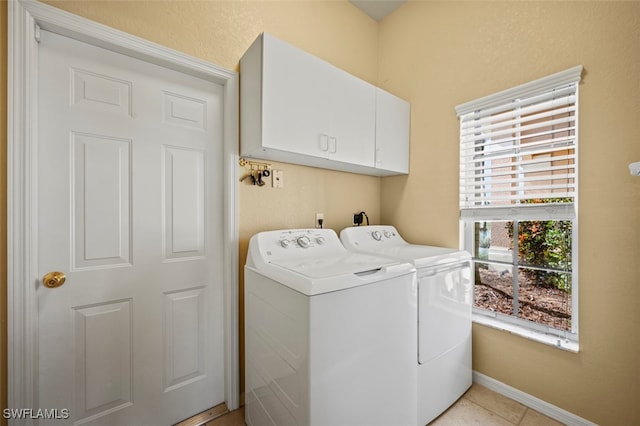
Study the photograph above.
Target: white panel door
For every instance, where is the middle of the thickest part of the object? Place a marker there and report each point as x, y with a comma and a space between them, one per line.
130, 209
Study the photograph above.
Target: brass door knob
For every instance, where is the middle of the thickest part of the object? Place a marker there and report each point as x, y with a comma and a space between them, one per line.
54, 279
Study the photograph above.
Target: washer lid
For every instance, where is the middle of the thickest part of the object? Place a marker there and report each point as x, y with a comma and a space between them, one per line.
335, 273
314, 261
343, 265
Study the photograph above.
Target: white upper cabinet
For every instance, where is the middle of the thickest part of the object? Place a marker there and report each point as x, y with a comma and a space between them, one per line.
294, 106
352, 134
393, 117
299, 109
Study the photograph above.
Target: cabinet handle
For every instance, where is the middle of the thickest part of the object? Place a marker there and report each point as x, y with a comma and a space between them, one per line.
324, 142
333, 144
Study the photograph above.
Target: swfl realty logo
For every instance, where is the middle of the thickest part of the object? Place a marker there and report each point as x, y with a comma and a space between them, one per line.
36, 413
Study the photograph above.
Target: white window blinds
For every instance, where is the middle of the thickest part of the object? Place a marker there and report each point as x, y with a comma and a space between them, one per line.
518, 148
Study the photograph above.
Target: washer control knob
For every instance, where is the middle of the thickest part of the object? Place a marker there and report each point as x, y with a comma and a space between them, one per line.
304, 241
387, 234
284, 243
320, 240
376, 235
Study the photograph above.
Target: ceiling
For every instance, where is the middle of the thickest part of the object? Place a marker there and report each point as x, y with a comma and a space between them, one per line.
377, 9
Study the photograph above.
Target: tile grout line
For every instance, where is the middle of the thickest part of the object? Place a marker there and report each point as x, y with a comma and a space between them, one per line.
524, 414
491, 411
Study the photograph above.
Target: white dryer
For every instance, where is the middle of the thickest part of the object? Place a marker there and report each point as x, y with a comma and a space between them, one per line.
445, 297
329, 334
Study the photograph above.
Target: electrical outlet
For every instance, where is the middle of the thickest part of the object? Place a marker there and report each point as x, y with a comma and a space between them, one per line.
319, 220
277, 178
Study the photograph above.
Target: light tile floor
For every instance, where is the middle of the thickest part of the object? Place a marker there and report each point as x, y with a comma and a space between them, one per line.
478, 406
481, 406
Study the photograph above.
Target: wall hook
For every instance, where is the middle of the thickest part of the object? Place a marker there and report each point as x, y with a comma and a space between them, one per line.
257, 171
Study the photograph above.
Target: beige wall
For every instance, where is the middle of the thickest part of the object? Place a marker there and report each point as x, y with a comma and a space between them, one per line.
436, 55
440, 54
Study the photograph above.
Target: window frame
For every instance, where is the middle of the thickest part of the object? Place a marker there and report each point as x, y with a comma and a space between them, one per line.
567, 340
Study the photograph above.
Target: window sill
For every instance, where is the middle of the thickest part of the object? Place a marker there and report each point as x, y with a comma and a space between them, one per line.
538, 336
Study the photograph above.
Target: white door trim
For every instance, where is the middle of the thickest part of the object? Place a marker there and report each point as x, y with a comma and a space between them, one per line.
26, 17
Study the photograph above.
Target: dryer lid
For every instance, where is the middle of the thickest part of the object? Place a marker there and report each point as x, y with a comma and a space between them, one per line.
424, 256
384, 240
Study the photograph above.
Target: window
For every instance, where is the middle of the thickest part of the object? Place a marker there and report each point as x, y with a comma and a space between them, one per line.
518, 204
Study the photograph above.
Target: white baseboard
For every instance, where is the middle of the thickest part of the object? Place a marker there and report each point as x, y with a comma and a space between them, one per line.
530, 401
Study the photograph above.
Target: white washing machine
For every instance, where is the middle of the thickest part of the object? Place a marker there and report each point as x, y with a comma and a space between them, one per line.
445, 297
329, 334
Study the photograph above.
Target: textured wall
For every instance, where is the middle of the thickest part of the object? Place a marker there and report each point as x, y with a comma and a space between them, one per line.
440, 54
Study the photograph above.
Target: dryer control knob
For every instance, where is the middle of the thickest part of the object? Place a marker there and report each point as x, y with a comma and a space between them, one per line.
304, 242
320, 240
386, 233
376, 235
284, 243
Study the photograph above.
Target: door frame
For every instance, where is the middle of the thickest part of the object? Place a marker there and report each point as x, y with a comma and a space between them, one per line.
25, 19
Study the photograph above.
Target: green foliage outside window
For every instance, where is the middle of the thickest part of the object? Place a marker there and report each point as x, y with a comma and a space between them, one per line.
545, 243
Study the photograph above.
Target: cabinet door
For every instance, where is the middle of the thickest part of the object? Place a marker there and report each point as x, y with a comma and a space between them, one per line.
392, 132
296, 110
353, 120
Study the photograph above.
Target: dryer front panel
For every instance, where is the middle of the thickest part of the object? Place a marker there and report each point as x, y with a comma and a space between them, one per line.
445, 297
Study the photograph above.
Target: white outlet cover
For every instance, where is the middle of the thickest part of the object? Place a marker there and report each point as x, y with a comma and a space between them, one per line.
277, 179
